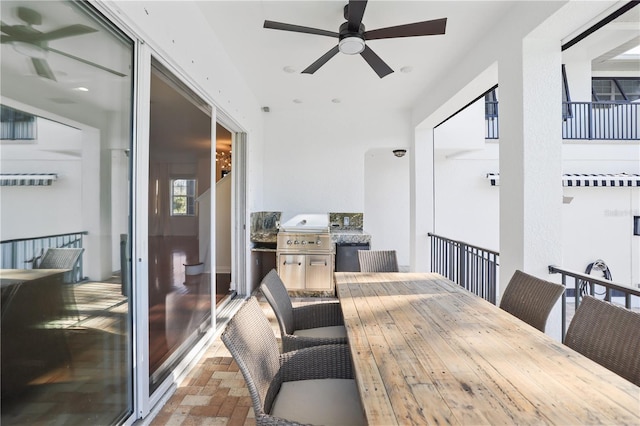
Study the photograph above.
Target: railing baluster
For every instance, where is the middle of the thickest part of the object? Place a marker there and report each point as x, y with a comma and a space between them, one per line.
591, 281
471, 267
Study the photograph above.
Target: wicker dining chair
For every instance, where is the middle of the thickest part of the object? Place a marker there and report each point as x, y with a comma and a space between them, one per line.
61, 258
310, 386
609, 335
378, 261
530, 298
303, 326
64, 258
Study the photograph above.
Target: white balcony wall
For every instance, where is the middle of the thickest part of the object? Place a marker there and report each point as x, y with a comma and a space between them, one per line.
596, 223
44, 210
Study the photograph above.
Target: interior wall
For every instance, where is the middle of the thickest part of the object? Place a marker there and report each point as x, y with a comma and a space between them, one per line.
223, 225
314, 160
386, 201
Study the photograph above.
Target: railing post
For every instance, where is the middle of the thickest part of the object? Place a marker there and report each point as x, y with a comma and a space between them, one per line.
462, 264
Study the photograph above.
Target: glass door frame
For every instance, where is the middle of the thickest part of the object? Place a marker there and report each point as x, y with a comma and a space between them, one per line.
145, 404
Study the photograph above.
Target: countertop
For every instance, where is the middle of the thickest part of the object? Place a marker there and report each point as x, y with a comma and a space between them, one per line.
266, 241
349, 236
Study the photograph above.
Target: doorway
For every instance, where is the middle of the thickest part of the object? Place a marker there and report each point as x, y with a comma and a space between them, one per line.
223, 182
179, 222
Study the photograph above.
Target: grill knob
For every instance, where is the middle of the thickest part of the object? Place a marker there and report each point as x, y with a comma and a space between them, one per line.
296, 242
318, 242
289, 242
304, 242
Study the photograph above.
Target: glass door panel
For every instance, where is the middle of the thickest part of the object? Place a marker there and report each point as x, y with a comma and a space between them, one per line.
179, 223
66, 79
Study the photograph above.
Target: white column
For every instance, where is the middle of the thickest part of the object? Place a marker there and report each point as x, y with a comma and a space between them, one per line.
421, 186
530, 160
578, 68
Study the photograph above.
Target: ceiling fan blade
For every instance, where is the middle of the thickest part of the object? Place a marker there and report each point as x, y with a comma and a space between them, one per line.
43, 69
69, 31
10, 29
6, 38
84, 61
321, 61
378, 65
356, 12
434, 27
298, 29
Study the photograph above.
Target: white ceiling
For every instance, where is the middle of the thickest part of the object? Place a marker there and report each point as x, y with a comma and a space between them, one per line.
261, 55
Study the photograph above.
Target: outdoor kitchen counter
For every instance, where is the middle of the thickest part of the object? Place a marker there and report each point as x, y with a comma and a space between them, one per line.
341, 236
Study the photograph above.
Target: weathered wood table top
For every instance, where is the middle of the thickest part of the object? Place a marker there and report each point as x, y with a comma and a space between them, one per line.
426, 351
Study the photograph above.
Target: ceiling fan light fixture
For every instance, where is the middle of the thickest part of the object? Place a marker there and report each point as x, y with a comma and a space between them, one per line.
351, 45
29, 49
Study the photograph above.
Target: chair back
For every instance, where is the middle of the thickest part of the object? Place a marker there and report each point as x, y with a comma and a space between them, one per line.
530, 298
378, 260
276, 294
254, 347
607, 334
61, 258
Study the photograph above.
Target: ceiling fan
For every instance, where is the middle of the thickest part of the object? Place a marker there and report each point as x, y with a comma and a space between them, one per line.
352, 36
28, 41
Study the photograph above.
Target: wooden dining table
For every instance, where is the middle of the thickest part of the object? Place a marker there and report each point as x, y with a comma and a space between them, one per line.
427, 351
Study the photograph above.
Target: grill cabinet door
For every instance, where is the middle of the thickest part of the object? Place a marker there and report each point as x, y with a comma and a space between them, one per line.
291, 268
319, 272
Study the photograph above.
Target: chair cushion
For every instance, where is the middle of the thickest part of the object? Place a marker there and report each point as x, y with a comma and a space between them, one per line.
334, 331
320, 402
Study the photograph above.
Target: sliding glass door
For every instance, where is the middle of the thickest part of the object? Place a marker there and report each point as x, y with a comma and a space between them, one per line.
66, 327
179, 217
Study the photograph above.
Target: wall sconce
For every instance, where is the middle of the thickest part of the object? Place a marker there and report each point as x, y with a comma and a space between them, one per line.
399, 152
636, 225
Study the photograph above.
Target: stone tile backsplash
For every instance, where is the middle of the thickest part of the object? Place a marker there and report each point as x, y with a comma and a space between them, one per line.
264, 226
346, 221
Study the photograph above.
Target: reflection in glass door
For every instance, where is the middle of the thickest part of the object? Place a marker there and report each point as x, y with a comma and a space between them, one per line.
179, 223
66, 128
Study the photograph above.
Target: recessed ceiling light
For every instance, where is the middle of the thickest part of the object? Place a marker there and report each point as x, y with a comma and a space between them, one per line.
336, 100
297, 101
289, 69
81, 89
406, 69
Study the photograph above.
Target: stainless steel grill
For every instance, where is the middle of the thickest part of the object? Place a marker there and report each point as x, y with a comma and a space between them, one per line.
305, 254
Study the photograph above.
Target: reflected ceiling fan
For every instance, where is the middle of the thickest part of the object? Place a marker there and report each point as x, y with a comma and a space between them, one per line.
352, 36
30, 42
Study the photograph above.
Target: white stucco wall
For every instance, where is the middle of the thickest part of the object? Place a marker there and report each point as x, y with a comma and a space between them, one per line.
386, 201
32, 211
315, 162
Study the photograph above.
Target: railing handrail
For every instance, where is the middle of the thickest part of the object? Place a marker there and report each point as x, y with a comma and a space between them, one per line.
599, 281
584, 120
600, 102
582, 278
16, 240
430, 234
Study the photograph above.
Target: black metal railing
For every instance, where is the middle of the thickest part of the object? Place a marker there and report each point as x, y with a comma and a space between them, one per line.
601, 121
491, 119
585, 120
474, 268
20, 253
583, 284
